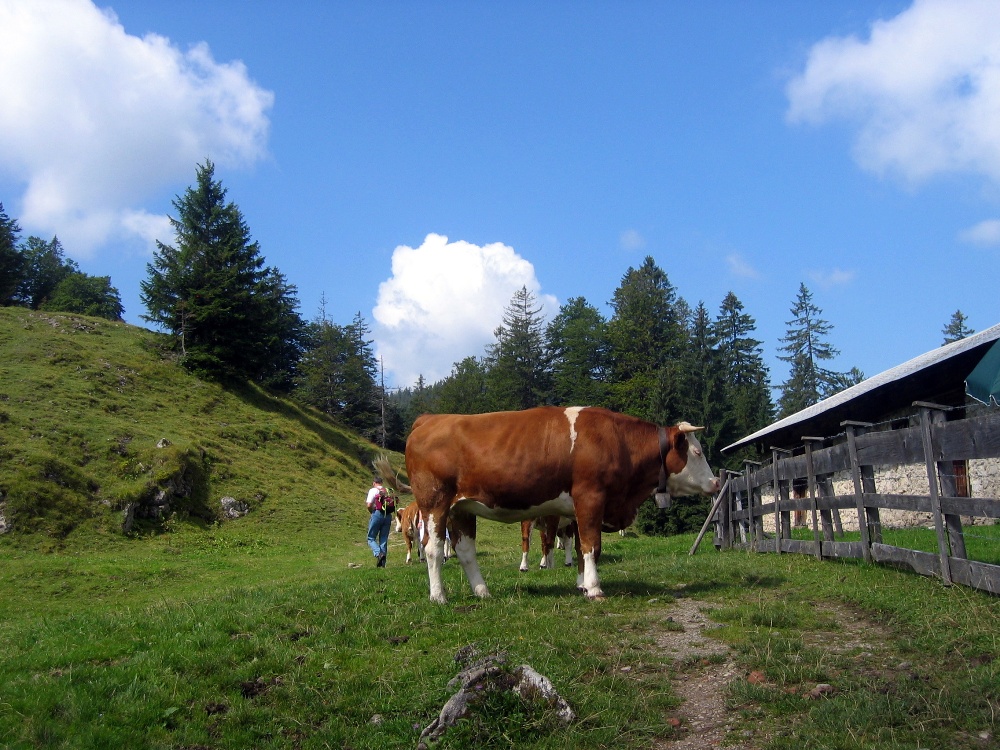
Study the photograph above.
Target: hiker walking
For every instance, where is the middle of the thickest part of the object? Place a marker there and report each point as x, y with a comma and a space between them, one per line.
381, 504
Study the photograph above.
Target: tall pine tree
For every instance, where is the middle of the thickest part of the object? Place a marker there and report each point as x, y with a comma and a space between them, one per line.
576, 342
229, 314
464, 390
517, 368
645, 332
806, 347
956, 330
337, 374
11, 260
747, 383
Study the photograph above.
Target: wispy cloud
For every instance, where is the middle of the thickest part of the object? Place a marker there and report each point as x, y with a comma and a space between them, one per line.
985, 233
443, 303
832, 277
95, 119
738, 266
923, 90
631, 240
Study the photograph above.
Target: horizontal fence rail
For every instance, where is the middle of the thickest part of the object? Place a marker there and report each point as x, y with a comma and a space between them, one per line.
929, 448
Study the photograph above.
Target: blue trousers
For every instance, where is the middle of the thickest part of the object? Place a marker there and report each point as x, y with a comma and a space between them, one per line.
378, 532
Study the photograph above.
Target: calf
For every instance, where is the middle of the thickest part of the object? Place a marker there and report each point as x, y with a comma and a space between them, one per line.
554, 532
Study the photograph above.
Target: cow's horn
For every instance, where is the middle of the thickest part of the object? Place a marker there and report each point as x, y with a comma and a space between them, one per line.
688, 427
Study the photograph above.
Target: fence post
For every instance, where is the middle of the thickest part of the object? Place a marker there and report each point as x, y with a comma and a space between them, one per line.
859, 489
932, 480
756, 531
726, 515
782, 521
811, 472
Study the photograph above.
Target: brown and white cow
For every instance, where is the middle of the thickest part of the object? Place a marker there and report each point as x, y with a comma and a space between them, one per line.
554, 532
587, 462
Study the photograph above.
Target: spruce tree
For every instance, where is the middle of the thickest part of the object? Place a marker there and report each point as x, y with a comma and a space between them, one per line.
464, 390
517, 368
806, 347
747, 382
11, 260
229, 314
645, 332
956, 330
337, 374
690, 388
577, 349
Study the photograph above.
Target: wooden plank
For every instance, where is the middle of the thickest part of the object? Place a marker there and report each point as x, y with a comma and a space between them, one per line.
985, 507
976, 437
978, 575
891, 447
799, 546
921, 503
925, 563
843, 549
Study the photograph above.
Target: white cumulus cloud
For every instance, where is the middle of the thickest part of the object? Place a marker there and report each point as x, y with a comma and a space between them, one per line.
443, 303
95, 119
923, 89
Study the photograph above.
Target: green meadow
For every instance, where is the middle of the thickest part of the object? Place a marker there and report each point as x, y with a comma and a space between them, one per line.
276, 630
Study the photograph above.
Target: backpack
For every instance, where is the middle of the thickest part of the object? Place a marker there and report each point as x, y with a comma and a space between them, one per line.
385, 502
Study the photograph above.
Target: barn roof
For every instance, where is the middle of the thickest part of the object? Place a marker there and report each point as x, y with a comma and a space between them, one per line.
937, 376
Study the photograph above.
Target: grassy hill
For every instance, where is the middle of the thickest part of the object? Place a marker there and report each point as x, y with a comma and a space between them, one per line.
84, 404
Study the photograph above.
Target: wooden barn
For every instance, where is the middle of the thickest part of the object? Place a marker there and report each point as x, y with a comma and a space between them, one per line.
905, 447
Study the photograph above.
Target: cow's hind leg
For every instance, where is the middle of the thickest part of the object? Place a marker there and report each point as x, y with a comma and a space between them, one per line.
463, 539
434, 529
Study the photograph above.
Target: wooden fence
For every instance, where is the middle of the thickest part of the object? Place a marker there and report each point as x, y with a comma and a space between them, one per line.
932, 445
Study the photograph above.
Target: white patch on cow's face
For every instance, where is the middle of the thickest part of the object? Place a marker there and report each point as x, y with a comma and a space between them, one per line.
560, 506
696, 477
571, 414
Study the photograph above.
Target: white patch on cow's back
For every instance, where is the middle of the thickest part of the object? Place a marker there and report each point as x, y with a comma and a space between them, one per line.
560, 506
572, 412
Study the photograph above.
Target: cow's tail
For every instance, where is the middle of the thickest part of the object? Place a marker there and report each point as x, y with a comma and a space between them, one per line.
389, 475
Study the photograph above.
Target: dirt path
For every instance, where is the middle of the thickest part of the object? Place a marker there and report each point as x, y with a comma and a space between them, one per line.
703, 715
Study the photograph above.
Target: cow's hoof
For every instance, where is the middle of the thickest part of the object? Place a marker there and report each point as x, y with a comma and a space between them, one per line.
482, 592
523, 570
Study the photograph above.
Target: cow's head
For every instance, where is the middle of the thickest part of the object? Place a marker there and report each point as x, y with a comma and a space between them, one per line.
688, 473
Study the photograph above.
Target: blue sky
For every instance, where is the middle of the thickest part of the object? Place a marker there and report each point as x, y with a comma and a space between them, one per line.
418, 162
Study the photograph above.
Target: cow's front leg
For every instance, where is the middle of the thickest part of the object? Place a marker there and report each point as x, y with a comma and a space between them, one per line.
588, 552
463, 539
433, 541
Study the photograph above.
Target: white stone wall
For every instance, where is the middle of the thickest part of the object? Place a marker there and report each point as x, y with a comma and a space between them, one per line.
984, 481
